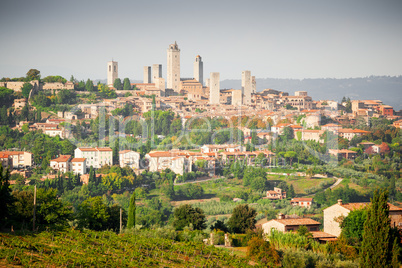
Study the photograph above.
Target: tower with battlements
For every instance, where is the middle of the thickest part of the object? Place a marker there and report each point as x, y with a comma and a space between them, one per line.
112, 72
173, 67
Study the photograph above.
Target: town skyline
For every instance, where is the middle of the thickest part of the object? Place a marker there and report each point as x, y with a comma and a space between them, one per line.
310, 40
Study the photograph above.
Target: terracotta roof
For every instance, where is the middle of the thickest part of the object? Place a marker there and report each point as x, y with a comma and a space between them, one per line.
319, 234
302, 199
348, 130
95, 149
15, 152
312, 130
61, 158
4, 155
353, 206
293, 222
124, 151
78, 160
105, 149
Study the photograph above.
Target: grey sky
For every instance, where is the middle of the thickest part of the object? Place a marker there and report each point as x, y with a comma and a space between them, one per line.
278, 39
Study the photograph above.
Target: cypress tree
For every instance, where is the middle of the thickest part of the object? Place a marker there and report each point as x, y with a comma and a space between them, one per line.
131, 212
376, 249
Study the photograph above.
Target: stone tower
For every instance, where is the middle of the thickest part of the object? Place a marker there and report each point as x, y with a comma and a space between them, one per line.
112, 72
173, 67
147, 74
246, 87
214, 85
253, 85
156, 71
198, 69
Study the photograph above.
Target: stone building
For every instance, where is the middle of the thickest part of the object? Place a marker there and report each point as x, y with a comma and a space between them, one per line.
112, 72
276, 194
173, 67
284, 225
302, 202
198, 69
334, 214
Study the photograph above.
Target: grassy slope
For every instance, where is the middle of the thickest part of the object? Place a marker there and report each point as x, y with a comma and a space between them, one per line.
73, 248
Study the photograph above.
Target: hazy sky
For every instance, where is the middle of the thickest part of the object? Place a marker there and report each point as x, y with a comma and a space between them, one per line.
276, 39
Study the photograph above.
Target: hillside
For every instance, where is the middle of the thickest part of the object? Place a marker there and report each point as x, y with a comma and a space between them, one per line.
74, 248
386, 88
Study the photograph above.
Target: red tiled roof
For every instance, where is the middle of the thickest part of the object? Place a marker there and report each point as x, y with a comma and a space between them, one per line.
353, 206
78, 160
320, 235
62, 158
4, 155
293, 222
302, 200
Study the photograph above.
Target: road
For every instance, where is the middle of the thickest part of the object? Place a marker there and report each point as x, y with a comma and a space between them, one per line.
196, 181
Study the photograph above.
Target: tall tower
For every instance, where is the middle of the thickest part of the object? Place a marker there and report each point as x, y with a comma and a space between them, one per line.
173, 67
147, 74
246, 87
253, 85
198, 69
156, 71
112, 72
214, 88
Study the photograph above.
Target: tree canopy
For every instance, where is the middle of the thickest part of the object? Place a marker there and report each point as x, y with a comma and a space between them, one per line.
242, 219
186, 215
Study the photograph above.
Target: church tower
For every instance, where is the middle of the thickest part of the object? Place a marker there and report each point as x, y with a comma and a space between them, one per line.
198, 69
112, 72
173, 67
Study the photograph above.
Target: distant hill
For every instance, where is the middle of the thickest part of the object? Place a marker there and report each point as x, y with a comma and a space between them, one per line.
385, 88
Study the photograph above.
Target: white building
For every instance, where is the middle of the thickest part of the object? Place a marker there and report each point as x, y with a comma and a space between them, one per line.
78, 166
54, 132
175, 161
61, 163
130, 159
96, 157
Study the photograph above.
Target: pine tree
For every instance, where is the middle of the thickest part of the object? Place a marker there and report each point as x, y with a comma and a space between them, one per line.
131, 212
376, 249
126, 84
5, 193
89, 85
117, 84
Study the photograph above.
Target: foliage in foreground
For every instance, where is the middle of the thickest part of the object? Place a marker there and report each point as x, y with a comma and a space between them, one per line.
107, 249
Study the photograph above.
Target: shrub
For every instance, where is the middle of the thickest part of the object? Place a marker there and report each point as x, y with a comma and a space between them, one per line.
262, 251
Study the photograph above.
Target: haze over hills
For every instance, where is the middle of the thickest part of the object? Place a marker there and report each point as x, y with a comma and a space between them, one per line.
385, 88
388, 89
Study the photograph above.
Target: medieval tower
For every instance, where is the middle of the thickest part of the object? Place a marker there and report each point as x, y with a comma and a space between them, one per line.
112, 72
147, 74
214, 91
198, 69
156, 72
246, 86
173, 67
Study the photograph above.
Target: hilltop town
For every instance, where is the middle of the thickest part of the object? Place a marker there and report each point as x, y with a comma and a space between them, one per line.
295, 164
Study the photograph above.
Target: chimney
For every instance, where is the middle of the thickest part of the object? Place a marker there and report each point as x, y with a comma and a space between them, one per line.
281, 216
340, 202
